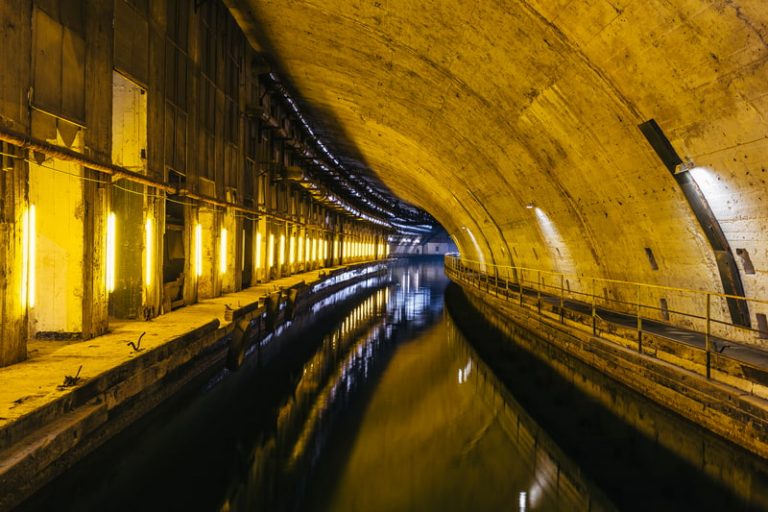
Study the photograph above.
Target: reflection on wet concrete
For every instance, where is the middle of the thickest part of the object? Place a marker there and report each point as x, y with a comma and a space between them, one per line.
376, 400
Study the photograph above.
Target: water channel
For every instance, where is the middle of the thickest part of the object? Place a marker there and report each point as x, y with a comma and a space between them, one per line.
395, 395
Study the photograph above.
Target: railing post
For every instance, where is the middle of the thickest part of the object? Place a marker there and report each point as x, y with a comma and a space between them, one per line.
594, 309
520, 286
707, 338
639, 323
562, 298
538, 292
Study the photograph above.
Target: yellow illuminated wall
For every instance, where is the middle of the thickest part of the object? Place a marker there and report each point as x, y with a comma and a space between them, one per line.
55, 262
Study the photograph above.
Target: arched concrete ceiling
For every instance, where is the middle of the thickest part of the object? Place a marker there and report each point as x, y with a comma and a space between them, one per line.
474, 109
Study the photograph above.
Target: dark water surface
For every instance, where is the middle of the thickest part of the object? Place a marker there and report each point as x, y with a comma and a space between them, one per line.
383, 399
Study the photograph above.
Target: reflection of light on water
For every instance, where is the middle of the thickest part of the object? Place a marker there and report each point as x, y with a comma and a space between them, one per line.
348, 356
347, 275
544, 485
345, 293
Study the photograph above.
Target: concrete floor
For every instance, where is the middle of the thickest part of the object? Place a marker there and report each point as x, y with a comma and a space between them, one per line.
38, 380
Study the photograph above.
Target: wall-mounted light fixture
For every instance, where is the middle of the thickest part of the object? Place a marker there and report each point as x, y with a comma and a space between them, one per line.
300, 248
198, 250
149, 250
531, 205
111, 249
684, 166
223, 251
271, 251
257, 252
29, 257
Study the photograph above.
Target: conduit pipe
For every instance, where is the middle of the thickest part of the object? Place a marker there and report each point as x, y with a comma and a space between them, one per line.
28, 142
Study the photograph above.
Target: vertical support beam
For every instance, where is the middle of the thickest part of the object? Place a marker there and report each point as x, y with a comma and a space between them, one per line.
639, 322
707, 335
13, 313
99, 17
562, 298
538, 292
16, 36
726, 264
594, 309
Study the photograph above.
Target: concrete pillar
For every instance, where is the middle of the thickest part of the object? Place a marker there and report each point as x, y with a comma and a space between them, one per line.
13, 313
14, 79
227, 251
207, 284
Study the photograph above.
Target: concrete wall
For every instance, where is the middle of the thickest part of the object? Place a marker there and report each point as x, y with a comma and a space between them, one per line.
516, 123
176, 95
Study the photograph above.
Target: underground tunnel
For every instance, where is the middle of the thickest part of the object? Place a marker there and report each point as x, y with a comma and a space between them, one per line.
383, 255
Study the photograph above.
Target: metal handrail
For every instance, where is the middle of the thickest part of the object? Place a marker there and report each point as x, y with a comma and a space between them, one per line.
609, 280
533, 282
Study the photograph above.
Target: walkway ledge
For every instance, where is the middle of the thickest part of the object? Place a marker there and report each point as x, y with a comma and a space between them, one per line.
69, 398
731, 403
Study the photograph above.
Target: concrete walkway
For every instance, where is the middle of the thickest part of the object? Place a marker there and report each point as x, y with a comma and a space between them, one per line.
733, 363
733, 349
40, 380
